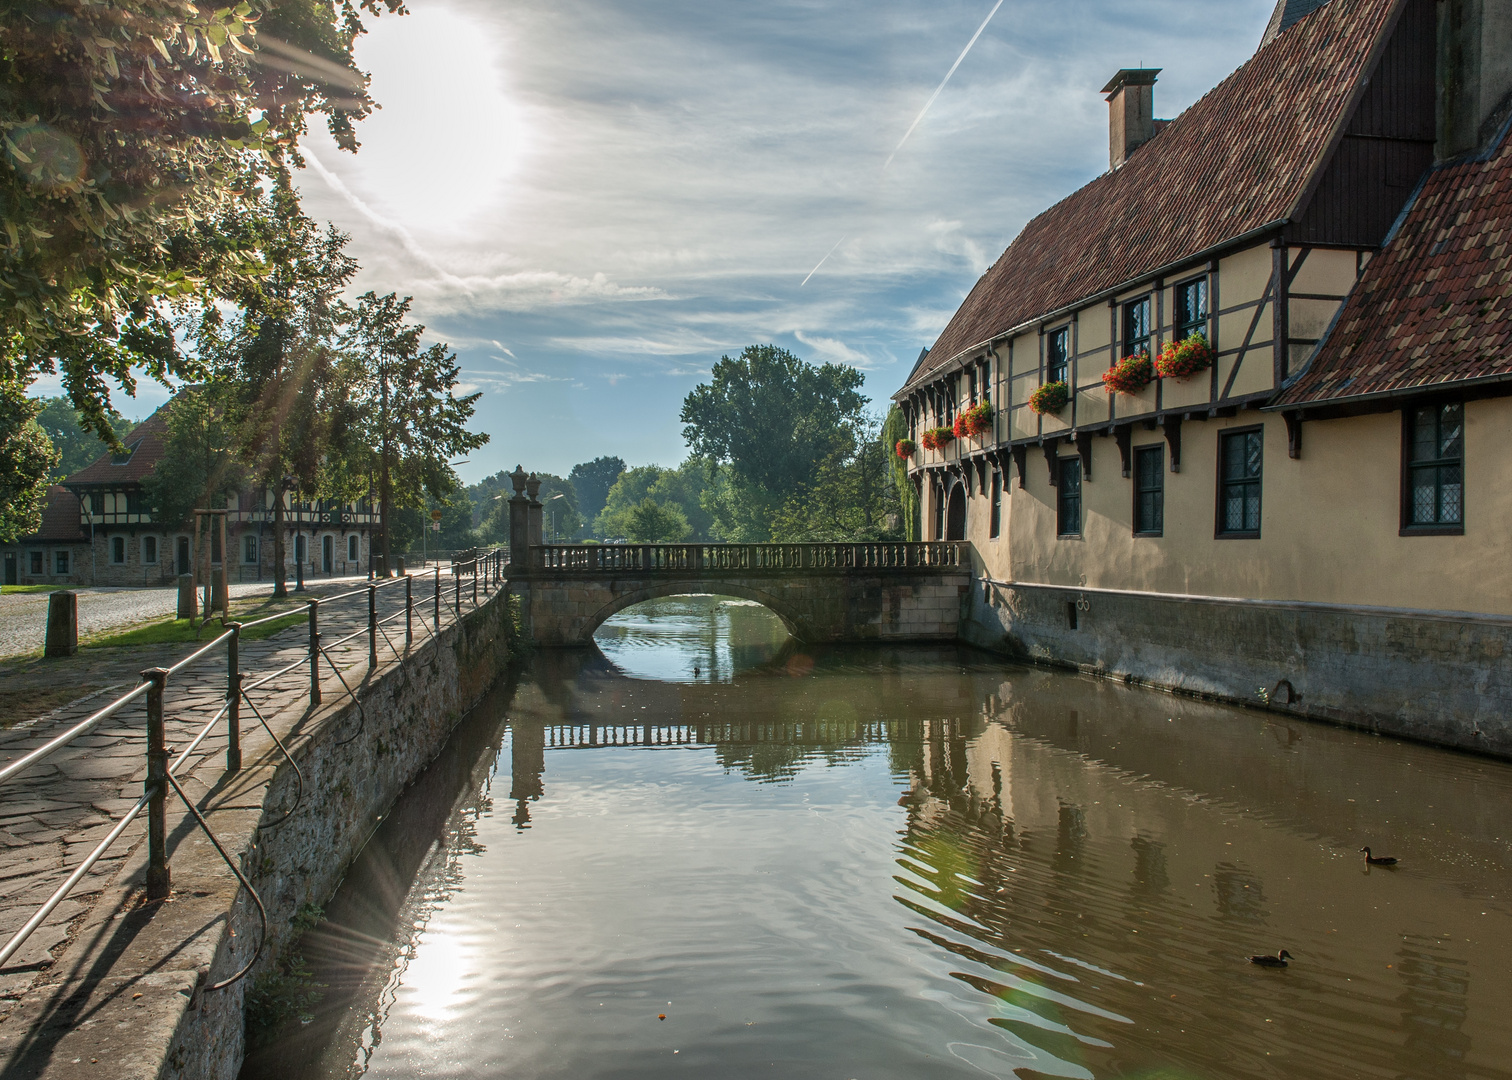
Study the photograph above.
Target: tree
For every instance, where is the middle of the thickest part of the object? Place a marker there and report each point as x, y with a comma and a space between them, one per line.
592, 481
198, 468
852, 496
683, 488
128, 126
655, 523
894, 428
399, 399
26, 459
771, 418
77, 446
275, 360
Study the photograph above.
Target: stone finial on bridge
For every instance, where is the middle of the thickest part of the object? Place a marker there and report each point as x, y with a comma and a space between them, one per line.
519, 519
533, 487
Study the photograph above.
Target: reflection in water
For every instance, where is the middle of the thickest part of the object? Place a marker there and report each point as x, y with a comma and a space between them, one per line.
698, 638
944, 868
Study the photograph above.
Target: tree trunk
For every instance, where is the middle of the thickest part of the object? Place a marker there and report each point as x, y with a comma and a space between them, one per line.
385, 493
280, 588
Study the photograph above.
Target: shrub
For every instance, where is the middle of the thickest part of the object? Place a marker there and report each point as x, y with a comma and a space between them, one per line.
905, 448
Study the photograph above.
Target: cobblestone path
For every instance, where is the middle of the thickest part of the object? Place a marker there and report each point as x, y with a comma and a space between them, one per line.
54, 813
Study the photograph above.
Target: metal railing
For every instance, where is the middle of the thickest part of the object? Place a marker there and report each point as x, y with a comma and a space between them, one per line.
702, 558
486, 567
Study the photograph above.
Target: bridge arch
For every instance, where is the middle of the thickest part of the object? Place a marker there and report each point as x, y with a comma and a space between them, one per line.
690, 588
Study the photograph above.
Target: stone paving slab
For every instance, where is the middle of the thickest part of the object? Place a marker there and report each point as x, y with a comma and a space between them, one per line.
53, 814
72, 1015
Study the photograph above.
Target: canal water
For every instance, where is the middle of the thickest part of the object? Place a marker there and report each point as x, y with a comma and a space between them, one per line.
702, 851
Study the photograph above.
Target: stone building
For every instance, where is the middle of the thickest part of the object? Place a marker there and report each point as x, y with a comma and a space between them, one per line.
97, 529
1311, 507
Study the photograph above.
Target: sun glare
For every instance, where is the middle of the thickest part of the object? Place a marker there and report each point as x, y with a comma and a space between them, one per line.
448, 136
434, 978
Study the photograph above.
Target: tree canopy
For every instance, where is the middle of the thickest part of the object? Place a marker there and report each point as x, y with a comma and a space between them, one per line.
26, 459
127, 129
591, 480
198, 468
77, 446
769, 419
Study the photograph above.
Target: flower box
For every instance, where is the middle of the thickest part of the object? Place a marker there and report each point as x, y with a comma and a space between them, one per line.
1050, 398
974, 421
1183, 359
937, 438
1130, 375
905, 448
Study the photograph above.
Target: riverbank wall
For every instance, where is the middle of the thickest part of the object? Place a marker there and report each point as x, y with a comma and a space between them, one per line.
1435, 677
133, 997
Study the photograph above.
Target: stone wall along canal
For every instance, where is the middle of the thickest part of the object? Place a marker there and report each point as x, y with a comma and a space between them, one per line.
910, 863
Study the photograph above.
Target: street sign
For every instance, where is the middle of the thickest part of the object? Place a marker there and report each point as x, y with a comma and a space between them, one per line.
435, 526
435, 515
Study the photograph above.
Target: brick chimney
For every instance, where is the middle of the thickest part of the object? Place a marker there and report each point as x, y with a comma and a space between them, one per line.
1131, 112
1474, 73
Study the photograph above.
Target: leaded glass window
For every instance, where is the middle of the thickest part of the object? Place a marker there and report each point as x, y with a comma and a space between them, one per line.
1149, 490
1069, 499
1240, 455
1436, 466
1191, 308
1136, 326
1057, 354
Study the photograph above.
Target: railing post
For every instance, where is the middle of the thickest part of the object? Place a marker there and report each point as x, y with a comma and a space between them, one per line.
436, 614
157, 787
475, 581
457, 574
409, 610
372, 626
314, 653
233, 698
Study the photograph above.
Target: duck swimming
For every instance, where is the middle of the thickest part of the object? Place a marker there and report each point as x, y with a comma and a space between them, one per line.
1383, 860
1277, 961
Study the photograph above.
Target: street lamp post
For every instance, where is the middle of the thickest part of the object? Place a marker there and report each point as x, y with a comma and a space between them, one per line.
555, 535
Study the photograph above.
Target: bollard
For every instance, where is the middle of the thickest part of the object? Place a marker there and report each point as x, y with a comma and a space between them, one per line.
409, 610
157, 787
233, 698
400, 563
372, 626
186, 596
437, 614
314, 653
62, 624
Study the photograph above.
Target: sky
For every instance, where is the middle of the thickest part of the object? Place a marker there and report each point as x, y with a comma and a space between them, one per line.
592, 201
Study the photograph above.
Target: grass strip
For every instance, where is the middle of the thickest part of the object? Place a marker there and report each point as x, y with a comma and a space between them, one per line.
173, 631
6, 590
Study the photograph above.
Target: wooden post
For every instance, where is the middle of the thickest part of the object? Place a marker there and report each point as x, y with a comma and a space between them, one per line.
158, 885
233, 697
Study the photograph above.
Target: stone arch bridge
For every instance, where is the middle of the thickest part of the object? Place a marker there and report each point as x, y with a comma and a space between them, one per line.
822, 592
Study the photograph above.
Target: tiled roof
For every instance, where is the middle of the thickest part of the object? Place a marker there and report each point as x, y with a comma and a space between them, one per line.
1435, 306
1239, 159
148, 439
60, 517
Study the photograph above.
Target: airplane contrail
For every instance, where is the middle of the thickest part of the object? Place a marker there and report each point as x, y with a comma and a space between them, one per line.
830, 252
398, 231
943, 81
